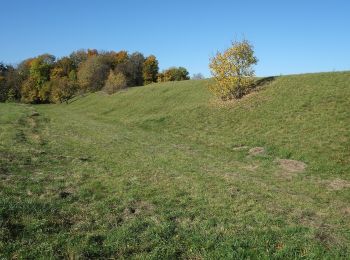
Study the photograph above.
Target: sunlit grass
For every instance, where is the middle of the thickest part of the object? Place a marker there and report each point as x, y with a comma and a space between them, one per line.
164, 171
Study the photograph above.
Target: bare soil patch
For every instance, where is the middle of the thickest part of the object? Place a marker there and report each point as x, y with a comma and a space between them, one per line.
257, 151
291, 166
338, 184
240, 148
346, 211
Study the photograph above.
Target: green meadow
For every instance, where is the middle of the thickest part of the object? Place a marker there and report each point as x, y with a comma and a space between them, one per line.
166, 171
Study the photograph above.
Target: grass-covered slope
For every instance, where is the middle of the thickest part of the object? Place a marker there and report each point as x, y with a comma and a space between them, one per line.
164, 171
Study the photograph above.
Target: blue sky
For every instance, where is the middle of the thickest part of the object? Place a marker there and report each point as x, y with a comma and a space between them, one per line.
289, 36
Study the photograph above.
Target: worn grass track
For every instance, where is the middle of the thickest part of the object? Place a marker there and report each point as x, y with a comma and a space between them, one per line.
164, 171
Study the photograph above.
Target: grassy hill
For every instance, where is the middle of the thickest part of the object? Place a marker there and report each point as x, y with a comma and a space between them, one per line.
165, 171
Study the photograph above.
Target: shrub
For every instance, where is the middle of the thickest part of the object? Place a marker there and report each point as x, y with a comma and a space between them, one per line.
115, 82
173, 74
62, 89
232, 70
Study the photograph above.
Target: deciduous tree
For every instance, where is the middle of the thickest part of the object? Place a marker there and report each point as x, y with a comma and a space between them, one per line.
35, 88
62, 89
150, 70
40, 68
135, 65
115, 82
92, 74
174, 74
78, 57
29, 91
3, 85
233, 70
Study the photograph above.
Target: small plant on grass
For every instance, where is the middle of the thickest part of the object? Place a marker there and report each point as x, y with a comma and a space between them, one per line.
115, 82
232, 70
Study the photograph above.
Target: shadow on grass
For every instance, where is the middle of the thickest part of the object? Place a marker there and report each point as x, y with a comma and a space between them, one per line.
263, 81
259, 84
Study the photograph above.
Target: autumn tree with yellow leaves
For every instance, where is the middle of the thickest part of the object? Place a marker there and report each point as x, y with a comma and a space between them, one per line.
150, 70
45, 79
233, 70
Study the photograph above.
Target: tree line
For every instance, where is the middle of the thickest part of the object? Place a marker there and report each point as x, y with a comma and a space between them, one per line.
46, 79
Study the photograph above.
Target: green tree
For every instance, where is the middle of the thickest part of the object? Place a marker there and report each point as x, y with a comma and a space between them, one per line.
150, 70
39, 73
232, 70
36, 88
182, 74
174, 74
40, 68
78, 57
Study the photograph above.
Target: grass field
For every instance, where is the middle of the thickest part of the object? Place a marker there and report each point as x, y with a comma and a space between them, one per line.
164, 171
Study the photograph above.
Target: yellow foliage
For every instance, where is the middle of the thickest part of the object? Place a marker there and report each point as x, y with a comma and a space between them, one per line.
232, 70
115, 82
121, 57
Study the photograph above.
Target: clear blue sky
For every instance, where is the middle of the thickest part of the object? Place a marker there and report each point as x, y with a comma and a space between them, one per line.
292, 36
